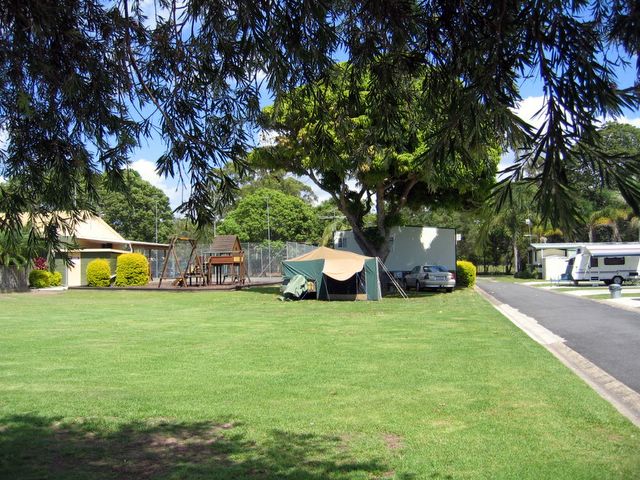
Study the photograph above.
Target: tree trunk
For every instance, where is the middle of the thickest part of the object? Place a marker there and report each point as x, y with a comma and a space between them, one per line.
516, 263
368, 248
615, 231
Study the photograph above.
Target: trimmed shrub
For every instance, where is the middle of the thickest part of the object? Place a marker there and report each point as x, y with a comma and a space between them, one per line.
98, 273
465, 274
56, 279
132, 270
39, 279
525, 274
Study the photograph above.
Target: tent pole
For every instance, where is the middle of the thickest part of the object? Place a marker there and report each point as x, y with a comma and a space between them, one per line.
393, 280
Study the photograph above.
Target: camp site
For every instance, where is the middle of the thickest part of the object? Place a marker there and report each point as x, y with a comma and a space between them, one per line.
319, 240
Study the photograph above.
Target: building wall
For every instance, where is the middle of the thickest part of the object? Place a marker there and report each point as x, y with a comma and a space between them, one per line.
60, 266
75, 274
410, 246
87, 257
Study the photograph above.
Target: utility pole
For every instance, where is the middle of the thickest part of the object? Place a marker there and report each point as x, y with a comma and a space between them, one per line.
156, 264
268, 232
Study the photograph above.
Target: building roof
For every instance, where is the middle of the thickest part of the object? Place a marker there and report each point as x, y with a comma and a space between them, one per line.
94, 228
614, 249
226, 243
558, 246
574, 245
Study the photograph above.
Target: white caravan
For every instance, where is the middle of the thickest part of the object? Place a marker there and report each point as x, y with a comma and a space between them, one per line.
610, 263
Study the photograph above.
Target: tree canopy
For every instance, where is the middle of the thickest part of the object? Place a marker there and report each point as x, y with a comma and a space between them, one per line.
132, 211
266, 211
83, 82
351, 151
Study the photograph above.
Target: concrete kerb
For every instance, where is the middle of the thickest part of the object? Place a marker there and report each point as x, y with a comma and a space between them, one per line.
623, 398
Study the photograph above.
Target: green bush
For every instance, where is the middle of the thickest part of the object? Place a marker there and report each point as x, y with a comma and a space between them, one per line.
98, 273
465, 274
39, 279
527, 274
56, 279
132, 270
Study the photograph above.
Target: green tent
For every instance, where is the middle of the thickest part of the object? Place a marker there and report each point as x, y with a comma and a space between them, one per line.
336, 274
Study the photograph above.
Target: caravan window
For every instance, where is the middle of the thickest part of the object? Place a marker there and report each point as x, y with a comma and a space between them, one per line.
594, 262
614, 260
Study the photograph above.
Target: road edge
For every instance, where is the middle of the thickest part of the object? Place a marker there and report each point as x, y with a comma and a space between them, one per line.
621, 397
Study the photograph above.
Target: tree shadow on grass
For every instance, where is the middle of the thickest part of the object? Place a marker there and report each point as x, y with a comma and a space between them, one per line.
272, 290
41, 447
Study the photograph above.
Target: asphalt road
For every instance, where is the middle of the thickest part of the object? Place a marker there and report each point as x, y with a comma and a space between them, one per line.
607, 336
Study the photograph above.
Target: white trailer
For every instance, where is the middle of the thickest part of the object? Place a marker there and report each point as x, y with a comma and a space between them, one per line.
610, 263
410, 246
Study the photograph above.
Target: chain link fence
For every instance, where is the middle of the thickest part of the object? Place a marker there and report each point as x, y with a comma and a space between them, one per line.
261, 260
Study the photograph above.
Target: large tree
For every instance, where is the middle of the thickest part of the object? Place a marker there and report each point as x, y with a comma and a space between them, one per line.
136, 211
366, 163
268, 213
83, 82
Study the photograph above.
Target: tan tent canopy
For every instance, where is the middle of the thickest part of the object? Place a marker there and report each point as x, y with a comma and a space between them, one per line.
339, 265
336, 266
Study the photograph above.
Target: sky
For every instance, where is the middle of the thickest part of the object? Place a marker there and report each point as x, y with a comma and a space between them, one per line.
144, 158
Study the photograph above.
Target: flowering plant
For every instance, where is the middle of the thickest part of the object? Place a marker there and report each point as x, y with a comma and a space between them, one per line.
40, 263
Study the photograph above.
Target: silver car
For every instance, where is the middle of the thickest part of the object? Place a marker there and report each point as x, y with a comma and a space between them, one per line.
429, 276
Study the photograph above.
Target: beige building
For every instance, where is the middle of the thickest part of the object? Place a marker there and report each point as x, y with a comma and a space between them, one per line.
94, 239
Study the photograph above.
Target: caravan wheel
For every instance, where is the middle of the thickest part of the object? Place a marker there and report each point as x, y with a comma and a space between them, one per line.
617, 280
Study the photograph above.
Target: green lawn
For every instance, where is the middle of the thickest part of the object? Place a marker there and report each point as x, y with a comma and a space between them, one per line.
218, 385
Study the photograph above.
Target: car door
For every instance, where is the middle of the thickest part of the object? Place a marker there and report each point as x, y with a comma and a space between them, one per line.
412, 278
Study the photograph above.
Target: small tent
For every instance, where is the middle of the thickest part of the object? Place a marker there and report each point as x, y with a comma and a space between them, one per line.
337, 274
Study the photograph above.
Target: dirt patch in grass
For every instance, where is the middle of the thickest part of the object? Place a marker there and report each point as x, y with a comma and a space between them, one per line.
393, 442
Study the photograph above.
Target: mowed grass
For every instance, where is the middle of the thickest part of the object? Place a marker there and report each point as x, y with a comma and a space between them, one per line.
222, 385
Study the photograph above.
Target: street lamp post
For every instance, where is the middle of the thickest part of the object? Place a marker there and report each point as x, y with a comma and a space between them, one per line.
268, 232
156, 264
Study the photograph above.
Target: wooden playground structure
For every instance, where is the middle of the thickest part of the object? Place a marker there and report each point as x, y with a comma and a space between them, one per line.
224, 263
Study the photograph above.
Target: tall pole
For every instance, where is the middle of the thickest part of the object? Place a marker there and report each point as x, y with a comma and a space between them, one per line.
156, 265
268, 232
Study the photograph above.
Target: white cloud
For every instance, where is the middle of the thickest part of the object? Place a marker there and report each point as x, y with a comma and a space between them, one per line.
631, 121
530, 106
172, 188
528, 110
267, 138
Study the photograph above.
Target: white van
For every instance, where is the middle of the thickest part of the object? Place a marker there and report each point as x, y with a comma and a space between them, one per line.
613, 263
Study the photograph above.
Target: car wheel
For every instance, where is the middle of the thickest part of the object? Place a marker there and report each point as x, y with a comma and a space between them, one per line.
617, 280
449, 290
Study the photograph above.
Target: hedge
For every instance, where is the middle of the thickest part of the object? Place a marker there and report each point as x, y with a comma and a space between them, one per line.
98, 273
39, 279
55, 279
465, 274
132, 269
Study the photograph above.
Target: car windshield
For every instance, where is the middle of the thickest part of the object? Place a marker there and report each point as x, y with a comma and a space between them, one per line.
434, 268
